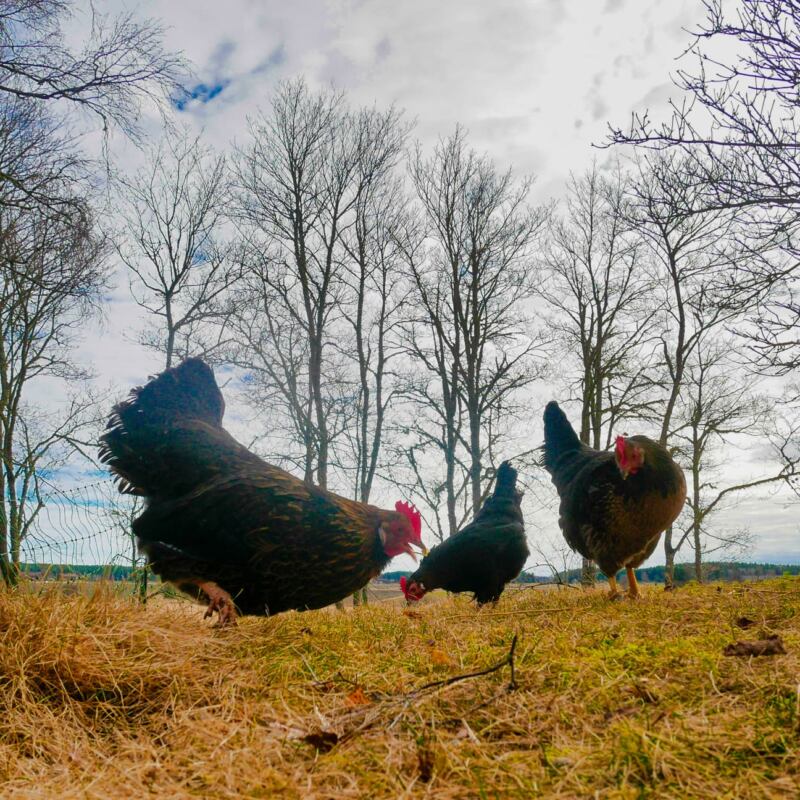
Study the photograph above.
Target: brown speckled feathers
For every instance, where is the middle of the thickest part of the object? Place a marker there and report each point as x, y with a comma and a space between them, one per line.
217, 512
615, 522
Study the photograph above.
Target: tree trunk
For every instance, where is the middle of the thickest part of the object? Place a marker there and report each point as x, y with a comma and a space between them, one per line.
588, 569
696, 514
143, 585
170, 345
170, 348
315, 382
475, 458
669, 560
4, 561
698, 555
450, 461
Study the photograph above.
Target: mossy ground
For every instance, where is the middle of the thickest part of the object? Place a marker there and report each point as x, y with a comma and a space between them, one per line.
101, 698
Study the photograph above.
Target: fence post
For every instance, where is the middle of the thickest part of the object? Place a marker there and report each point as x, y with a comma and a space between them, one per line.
143, 585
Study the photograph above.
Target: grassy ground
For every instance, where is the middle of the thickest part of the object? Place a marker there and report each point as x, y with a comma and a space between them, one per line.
101, 699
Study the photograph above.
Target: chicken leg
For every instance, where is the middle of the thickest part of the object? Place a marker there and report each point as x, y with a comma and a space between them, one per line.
633, 585
613, 592
220, 601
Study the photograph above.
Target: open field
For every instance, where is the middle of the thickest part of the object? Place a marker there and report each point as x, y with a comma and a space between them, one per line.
103, 699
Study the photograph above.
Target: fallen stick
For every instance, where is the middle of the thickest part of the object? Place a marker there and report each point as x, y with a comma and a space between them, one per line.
508, 660
408, 697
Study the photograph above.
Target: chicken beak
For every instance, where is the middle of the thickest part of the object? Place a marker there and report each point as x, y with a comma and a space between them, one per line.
408, 549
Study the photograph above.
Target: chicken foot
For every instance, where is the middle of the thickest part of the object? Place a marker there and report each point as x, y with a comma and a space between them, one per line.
614, 593
220, 601
633, 584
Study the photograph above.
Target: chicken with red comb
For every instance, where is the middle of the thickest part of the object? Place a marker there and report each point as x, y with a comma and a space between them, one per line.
411, 513
484, 555
614, 506
229, 528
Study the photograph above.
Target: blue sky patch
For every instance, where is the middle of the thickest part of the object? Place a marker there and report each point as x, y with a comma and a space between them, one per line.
203, 92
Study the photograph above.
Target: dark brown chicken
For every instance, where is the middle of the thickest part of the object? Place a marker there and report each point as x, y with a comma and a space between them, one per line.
223, 524
484, 555
614, 506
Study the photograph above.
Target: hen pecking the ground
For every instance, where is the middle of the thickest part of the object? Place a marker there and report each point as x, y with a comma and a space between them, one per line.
614, 506
484, 555
227, 527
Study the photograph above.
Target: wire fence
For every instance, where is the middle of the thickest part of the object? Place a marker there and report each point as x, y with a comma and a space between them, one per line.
82, 530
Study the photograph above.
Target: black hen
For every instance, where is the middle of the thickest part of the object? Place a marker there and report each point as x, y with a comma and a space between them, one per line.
483, 556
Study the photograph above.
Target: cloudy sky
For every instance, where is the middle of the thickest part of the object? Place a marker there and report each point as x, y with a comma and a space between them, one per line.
535, 84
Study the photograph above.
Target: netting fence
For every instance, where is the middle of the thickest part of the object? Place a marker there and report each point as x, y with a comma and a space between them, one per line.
82, 530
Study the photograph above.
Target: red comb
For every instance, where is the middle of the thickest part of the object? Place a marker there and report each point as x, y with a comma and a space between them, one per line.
403, 585
619, 445
413, 515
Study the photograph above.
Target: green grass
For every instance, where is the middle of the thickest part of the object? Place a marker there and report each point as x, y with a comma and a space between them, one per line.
613, 700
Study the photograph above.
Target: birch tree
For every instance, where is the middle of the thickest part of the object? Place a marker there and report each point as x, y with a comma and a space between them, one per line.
690, 250
600, 290
51, 273
719, 405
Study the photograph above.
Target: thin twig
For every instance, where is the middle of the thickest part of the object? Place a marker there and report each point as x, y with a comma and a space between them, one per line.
508, 660
408, 697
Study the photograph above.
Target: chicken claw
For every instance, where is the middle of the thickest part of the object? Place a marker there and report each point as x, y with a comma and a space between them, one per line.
613, 592
221, 602
633, 584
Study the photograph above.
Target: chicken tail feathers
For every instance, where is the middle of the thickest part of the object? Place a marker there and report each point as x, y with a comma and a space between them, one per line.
505, 481
559, 435
137, 426
187, 391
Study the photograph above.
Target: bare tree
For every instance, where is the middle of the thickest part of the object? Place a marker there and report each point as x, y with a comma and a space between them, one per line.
372, 259
120, 68
121, 65
51, 271
738, 126
372, 300
294, 180
690, 250
601, 294
307, 184
471, 335
717, 404
739, 121
38, 161
316, 203
52, 264
172, 244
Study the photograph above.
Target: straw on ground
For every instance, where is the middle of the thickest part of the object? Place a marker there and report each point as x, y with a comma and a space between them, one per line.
101, 698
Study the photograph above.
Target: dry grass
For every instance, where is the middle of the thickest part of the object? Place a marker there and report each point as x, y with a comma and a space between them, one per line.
102, 699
